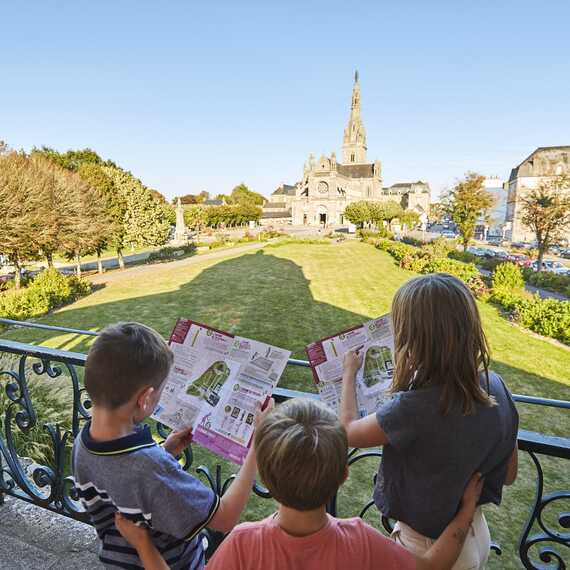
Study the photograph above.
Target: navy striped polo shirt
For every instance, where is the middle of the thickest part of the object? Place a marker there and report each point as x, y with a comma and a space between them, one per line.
136, 476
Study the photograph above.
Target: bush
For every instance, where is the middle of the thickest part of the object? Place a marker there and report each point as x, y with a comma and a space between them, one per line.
294, 241
464, 256
49, 290
507, 276
547, 317
381, 233
463, 271
548, 280
440, 247
169, 253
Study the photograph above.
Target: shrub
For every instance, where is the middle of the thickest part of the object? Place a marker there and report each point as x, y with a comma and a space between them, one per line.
294, 241
49, 290
464, 256
463, 271
169, 253
380, 233
548, 280
547, 317
440, 247
507, 276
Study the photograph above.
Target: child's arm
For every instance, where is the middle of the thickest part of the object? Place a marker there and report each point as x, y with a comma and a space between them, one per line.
139, 538
365, 432
447, 548
513, 468
234, 500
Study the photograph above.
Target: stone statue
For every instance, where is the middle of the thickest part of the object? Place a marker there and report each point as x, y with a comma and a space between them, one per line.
180, 233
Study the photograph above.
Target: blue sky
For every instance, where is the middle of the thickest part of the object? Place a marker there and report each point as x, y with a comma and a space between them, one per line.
204, 95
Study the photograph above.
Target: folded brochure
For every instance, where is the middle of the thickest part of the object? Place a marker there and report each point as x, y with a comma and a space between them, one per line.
376, 342
217, 385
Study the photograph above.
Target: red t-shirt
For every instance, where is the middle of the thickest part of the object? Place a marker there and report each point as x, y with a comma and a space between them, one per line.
340, 544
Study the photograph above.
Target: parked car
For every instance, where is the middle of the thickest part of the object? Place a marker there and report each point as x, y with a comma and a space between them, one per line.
479, 251
520, 259
553, 267
565, 253
448, 234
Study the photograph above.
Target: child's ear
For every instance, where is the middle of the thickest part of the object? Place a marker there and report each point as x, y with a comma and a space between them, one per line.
145, 400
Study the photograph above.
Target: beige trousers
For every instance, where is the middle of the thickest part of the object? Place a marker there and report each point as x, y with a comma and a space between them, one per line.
475, 550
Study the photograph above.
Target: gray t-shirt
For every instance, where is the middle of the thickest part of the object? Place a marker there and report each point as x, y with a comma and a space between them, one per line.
431, 457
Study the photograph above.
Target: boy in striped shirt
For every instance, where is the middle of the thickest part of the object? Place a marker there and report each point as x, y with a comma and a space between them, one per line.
118, 467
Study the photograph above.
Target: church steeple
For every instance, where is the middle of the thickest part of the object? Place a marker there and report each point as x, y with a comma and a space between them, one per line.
354, 142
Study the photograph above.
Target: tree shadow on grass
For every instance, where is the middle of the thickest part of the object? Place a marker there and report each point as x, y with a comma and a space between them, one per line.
269, 298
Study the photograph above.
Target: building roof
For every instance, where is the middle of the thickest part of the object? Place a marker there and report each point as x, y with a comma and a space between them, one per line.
400, 187
515, 170
271, 215
212, 202
274, 205
356, 170
285, 189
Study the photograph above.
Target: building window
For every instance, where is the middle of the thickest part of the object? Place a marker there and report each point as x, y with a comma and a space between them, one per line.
352, 157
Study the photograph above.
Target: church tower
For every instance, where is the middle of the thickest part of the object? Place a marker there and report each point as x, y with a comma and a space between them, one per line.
354, 142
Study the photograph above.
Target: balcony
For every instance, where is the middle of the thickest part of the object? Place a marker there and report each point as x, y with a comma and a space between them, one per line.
35, 460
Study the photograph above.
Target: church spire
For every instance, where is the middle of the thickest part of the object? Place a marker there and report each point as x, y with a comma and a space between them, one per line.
354, 142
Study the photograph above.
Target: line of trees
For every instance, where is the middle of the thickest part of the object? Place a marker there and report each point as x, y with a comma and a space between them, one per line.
74, 204
375, 213
545, 209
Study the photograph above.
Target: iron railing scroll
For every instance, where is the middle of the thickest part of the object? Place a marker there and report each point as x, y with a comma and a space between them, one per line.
543, 544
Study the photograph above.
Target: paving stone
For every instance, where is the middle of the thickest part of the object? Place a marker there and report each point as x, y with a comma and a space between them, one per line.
46, 530
18, 555
77, 561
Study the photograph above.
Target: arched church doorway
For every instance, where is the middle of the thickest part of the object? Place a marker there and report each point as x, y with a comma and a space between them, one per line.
322, 215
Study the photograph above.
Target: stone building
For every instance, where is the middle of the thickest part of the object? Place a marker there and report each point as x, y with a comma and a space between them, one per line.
543, 164
328, 186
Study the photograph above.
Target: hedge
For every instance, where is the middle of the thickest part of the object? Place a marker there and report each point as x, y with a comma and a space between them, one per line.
49, 290
548, 280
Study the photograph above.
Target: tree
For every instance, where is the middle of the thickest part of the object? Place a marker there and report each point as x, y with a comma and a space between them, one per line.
146, 220
390, 211
546, 211
358, 213
114, 205
90, 220
22, 184
241, 194
409, 218
193, 198
71, 159
436, 212
195, 217
466, 203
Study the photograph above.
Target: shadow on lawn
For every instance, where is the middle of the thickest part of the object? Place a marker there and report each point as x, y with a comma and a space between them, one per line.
261, 296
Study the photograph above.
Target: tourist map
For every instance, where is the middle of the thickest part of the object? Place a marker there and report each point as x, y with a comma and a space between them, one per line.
375, 341
217, 385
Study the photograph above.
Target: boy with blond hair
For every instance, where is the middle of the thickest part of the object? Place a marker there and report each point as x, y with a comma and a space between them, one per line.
119, 468
301, 450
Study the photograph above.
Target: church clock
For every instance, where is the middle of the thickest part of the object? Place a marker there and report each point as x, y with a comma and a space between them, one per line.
323, 187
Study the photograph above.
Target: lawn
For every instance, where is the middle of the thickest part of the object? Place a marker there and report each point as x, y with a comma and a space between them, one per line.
294, 294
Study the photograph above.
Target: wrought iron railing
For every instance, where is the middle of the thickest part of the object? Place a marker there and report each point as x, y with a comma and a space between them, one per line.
49, 483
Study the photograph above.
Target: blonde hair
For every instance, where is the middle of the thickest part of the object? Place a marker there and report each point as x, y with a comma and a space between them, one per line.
439, 340
302, 453
124, 358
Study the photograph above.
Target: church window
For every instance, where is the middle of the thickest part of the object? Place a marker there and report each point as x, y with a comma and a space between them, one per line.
352, 157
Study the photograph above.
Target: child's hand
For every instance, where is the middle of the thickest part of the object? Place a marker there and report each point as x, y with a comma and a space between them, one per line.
136, 536
178, 441
352, 362
472, 493
264, 411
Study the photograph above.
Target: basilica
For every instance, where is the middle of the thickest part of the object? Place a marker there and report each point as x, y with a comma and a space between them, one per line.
328, 186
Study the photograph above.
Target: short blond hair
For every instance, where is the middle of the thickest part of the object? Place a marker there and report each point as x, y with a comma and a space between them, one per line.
125, 358
302, 453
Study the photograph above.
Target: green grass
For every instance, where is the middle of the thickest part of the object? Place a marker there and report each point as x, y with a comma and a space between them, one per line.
297, 293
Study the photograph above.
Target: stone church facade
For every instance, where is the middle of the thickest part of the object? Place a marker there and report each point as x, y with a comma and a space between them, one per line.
542, 165
329, 185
